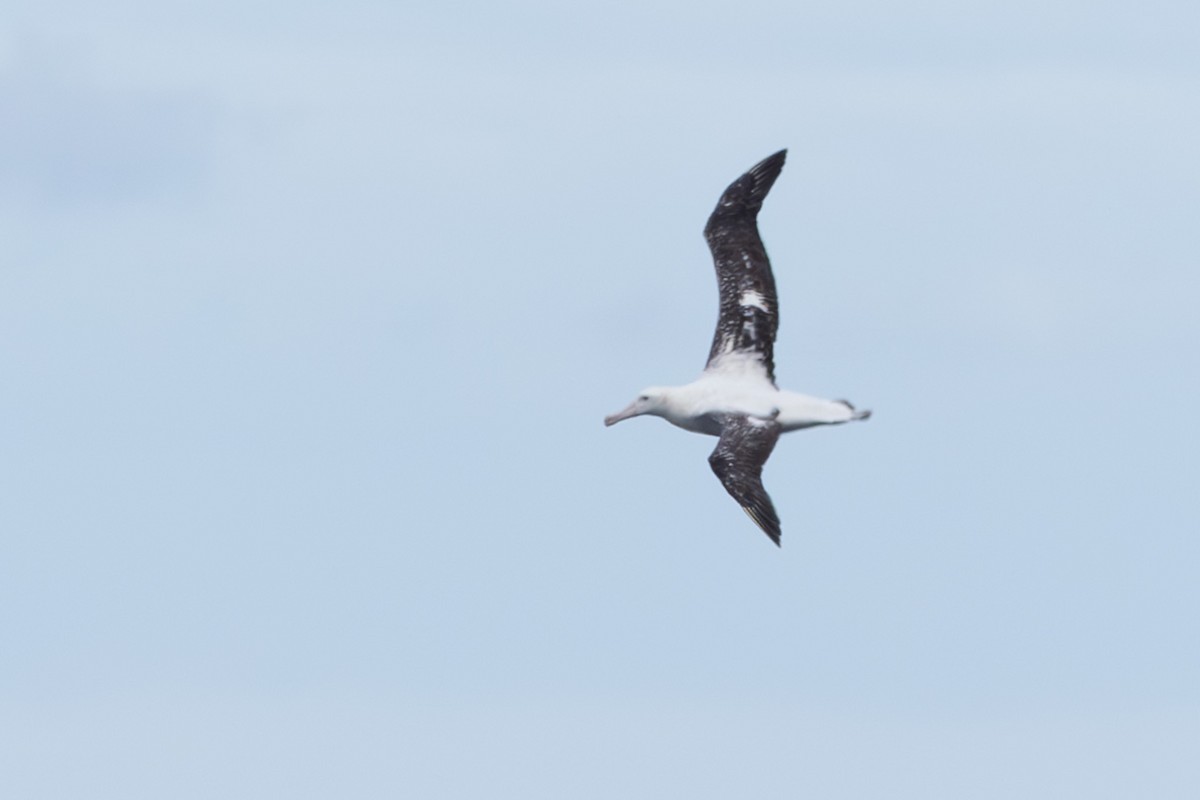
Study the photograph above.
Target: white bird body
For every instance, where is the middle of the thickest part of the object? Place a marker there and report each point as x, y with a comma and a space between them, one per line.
699, 406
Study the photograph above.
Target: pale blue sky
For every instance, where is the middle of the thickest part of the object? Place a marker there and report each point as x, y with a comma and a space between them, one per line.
310, 313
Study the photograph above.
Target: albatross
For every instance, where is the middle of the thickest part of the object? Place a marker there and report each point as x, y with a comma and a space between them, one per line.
736, 397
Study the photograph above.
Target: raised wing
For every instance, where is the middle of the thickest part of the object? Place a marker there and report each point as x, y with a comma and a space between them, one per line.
745, 445
749, 313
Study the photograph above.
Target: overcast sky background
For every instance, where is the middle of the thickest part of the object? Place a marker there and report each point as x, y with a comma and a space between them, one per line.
310, 314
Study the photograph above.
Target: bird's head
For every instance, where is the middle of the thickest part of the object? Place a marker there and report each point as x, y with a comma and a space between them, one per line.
650, 401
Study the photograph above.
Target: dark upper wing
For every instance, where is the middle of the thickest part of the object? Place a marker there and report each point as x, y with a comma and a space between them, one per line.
745, 445
749, 314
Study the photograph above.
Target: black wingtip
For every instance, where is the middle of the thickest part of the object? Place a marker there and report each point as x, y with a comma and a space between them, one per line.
772, 164
763, 175
748, 192
764, 517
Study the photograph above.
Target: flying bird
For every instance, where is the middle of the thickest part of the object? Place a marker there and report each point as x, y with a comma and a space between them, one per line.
736, 398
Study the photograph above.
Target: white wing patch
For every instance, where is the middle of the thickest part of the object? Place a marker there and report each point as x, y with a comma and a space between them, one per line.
753, 298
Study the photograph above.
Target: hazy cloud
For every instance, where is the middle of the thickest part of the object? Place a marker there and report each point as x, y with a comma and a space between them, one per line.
69, 140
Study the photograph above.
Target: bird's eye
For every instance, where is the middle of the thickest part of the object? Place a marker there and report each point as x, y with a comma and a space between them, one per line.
644, 397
